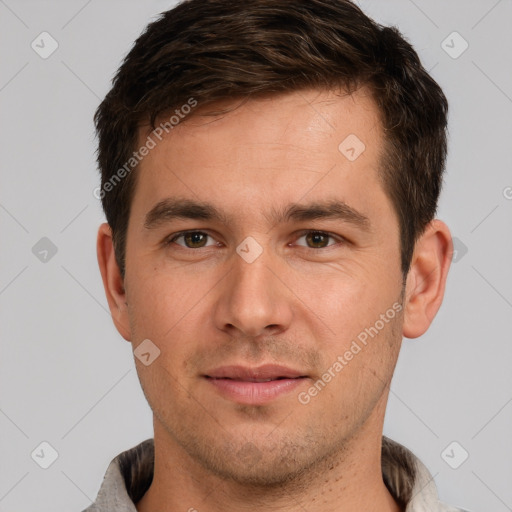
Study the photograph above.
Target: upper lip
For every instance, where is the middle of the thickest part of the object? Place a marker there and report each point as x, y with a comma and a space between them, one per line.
246, 373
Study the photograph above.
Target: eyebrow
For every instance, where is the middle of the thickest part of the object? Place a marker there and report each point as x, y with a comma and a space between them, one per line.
170, 209
173, 208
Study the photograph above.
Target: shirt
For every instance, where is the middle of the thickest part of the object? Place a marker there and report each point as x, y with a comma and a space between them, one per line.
130, 474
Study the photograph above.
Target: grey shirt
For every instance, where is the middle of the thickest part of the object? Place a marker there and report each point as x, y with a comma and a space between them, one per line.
129, 476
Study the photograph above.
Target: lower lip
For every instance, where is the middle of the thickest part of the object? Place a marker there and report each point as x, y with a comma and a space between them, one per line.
255, 393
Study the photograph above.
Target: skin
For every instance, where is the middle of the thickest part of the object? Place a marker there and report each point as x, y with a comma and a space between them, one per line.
301, 303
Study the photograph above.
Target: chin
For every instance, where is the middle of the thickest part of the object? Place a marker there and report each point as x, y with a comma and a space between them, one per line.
261, 465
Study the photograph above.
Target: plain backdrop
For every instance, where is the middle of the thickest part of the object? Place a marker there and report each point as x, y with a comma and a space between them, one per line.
68, 379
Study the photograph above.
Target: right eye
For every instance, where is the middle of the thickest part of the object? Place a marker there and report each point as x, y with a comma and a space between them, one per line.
192, 239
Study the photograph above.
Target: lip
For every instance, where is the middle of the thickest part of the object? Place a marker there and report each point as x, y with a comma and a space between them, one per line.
254, 385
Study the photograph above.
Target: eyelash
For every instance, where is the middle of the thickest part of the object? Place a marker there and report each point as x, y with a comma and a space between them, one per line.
301, 234
176, 236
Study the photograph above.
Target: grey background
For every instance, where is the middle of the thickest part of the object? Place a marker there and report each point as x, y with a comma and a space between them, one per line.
66, 376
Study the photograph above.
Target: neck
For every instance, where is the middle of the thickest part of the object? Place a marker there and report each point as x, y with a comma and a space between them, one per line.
349, 481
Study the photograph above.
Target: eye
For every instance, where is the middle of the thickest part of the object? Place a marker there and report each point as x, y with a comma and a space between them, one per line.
192, 239
317, 239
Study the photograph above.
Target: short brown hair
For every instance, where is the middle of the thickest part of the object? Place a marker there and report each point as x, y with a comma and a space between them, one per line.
214, 50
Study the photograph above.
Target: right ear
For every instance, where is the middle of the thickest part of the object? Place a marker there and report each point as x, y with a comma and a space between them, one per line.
113, 281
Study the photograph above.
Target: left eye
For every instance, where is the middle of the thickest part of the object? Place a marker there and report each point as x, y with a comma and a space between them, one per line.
193, 239
317, 239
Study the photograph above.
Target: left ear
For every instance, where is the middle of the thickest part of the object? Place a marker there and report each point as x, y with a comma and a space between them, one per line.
426, 279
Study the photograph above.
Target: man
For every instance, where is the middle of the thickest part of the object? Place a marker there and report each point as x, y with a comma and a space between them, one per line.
270, 175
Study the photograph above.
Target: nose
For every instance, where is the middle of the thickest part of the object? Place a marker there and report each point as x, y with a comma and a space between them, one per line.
253, 300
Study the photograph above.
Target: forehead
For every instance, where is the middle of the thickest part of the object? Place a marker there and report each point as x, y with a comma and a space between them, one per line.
270, 149
300, 118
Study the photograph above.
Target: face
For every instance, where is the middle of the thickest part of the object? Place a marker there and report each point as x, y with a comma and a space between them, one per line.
264, 263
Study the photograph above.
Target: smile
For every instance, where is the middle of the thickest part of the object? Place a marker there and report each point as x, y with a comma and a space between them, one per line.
254, 386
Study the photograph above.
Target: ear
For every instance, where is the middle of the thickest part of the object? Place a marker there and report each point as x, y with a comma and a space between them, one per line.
426, 279
112, 281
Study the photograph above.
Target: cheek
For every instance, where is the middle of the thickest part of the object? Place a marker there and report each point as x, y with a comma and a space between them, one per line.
161, 310
172, 311
158, 301
345, 302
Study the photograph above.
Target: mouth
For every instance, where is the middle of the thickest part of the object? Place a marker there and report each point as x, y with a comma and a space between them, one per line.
254, 386
255, 380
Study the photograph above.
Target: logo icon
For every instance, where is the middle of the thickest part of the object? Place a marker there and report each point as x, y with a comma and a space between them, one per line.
44, 250
460, 249
454, 455
44, 455
454, 45
351, 147
249, 249
44, 45
146, 352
